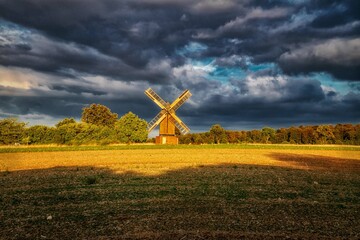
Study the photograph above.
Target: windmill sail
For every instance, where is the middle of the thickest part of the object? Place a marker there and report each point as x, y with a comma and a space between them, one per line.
156, 120
179, 124
180, 100
155, 97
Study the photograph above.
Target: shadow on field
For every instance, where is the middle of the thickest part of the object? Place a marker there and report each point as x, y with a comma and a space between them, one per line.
226, 201
316, 162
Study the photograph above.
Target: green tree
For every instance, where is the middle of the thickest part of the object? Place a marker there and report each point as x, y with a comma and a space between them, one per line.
218, 133
207, 137
98, 114
84, 133
268, 135
131, 129
11, 131
294, 135
66, 134
106, 136
39, 134
198, 139
186, 139
65, 121
255, 136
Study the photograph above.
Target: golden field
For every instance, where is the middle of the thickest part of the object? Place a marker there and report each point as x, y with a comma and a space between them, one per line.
159, 161
181, 193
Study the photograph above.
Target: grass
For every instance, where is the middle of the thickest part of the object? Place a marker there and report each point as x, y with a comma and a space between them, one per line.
56, 148
181, 193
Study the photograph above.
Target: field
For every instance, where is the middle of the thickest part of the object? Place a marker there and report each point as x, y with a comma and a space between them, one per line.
180, 192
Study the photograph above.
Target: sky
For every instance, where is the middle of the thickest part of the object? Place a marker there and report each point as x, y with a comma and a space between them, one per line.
249, 63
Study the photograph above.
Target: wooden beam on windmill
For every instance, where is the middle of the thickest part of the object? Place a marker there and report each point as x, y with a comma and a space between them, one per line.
167, 118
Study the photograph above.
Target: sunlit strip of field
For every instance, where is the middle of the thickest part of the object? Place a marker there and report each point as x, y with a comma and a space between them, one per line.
62, 148
158, 161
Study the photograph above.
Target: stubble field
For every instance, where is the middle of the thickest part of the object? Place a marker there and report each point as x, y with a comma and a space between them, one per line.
198, 192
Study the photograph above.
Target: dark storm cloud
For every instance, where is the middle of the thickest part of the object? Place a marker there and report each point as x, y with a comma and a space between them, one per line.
340, 57
71, 105
135, 32
48, 55
156, 42
237, 114
76, 89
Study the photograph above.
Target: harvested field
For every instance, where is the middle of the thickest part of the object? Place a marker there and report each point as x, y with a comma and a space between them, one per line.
181, 193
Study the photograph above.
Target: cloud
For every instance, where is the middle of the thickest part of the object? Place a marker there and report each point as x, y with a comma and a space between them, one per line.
48, 55
276, 101
257, 13
214, 6
197, 6
145, 30
239, 24
340, 57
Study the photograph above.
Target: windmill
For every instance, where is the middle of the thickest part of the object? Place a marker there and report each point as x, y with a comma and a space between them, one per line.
167, 118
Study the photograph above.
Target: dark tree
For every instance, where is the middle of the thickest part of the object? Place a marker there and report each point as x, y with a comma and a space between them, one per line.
98, 114
218, 133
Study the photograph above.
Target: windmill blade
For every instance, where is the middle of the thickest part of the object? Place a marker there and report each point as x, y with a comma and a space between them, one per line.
180, 100
179, 124
156, 120
156, 98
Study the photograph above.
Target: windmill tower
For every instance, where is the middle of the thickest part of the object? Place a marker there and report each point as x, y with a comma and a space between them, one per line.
167, 118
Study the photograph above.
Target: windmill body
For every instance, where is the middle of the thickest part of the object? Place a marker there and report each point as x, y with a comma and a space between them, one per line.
167, 127
167, 118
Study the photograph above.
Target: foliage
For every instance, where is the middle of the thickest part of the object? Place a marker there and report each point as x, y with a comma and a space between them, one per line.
40, 134
267, 135
322, 134
65, 133
11, 131
218, 133
65, 121
98, 114
84, 133
98, 127
131, 129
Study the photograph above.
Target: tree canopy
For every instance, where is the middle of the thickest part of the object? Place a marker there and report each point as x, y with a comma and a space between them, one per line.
321, 134
65, 121
98, 114
11, 131
218, 133
131, 128
97, 127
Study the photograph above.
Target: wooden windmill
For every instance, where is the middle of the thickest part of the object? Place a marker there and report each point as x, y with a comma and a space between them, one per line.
167, 117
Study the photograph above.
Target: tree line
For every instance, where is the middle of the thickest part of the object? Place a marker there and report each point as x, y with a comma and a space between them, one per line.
98, 126
319, 134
